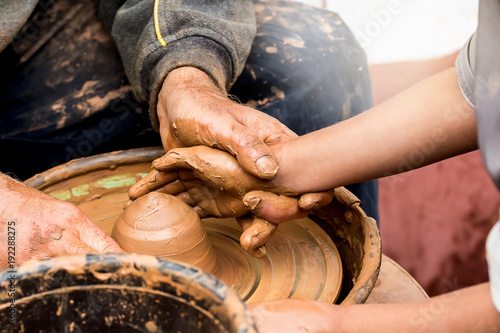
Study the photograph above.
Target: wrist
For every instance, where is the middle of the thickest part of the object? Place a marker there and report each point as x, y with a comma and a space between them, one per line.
282, 177
186, 78
182, 85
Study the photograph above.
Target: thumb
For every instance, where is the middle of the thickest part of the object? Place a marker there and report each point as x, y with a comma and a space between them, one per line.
255, 234
74, 245
272, 207
252, 153
96, 238
310, 201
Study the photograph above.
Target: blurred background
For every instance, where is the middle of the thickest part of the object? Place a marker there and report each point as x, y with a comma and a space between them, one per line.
434, 221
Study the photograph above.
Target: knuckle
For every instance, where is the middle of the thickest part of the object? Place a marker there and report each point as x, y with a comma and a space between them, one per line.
247, 140
74, 213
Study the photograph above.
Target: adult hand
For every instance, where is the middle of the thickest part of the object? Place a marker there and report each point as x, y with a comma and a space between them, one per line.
40, 226
193, 111
209, 179
214, 183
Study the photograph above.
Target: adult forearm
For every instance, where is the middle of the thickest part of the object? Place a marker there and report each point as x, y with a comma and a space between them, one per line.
429, 122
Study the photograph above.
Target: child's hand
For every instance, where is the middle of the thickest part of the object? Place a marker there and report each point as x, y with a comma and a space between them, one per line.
215, 185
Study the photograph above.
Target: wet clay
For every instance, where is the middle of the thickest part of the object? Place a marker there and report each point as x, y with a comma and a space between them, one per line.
161, 225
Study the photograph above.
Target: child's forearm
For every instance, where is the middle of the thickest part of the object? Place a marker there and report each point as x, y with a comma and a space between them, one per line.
465, 310
430, 121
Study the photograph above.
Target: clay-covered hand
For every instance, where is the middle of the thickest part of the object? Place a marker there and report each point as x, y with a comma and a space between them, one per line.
215, 185
35, 225
209, 179
296, 316
192, 111
281, 208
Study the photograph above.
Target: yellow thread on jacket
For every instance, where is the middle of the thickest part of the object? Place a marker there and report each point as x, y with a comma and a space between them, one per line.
157, 25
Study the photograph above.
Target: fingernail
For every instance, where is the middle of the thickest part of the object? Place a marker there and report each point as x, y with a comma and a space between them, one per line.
156, 163
245, 245
310, 206
255, 242
259, 252
267, 167
252, 203
127, 204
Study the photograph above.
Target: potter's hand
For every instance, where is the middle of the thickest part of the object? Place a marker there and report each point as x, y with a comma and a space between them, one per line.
192, 111
294, 316
207, 178
40, 226
215, 185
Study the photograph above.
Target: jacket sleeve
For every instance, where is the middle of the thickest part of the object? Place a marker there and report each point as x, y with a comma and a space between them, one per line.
155, 37
464, 66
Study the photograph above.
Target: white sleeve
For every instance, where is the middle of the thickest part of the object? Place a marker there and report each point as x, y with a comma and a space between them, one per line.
493, 255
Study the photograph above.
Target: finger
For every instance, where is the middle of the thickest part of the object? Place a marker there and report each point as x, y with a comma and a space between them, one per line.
173, 188
228, 134
201, 191
205, 198
153, 181
212, 166
186, 198
201, 213
215, 202
178, 158
95, 238
272, 207
257, 235
245, 222
310, 201
252, 153
185, 174
75, 246
195, 163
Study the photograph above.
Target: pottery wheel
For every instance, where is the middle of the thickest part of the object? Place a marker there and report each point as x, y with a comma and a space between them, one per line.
301, 262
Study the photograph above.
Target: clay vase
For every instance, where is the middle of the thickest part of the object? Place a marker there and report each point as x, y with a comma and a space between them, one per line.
162, 225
